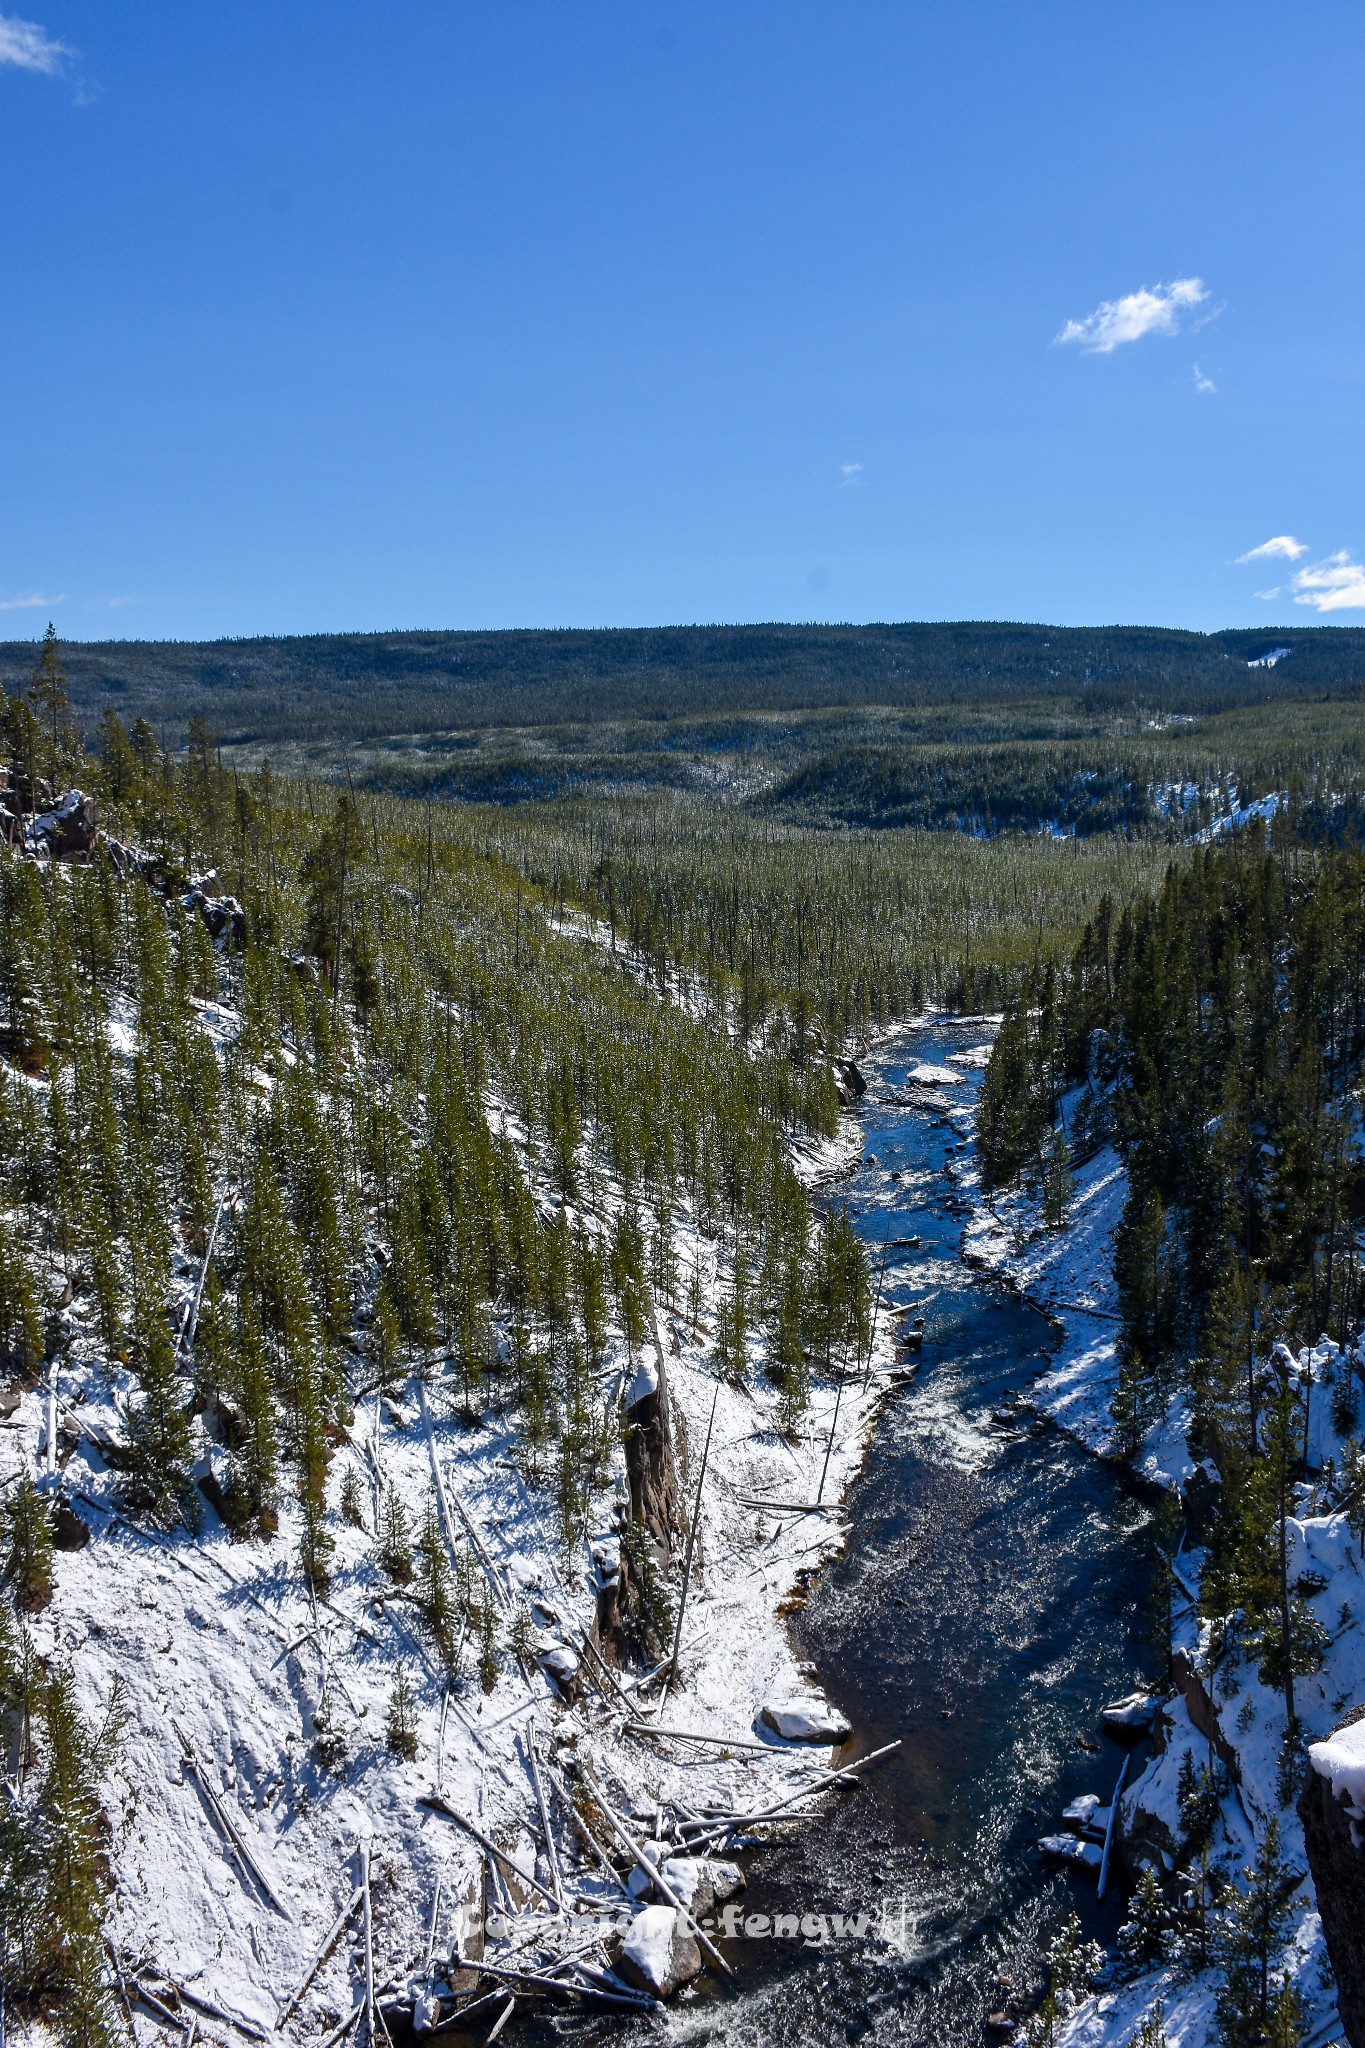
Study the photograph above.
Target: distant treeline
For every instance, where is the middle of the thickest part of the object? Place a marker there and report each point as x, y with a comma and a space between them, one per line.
357, 685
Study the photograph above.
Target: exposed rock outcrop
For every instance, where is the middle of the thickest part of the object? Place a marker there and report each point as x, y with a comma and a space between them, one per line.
1333, 1838
849, 1083
623, 1624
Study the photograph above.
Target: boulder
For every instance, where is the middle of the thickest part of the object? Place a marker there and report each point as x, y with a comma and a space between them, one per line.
690, 1878
1332, 1807
1131, 1718
1072, 1849
805, 1721
69, 1530
660, 1952
639, 1884
849, 1083
69, 828
726, 1879
560, 1666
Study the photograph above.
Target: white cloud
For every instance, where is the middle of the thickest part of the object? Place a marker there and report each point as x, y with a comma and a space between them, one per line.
32, 600
1201, 382
28, 46
1157, 311
1281, 544
849, 473
1336, 585
1273, 591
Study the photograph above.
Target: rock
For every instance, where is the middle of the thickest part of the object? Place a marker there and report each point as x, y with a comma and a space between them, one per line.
560, 1666
805, 1721
639, 1884
1080, 1814
1132, 1717
690, 1878
1331, 1810
848, 1082
726, 1879
645, 1383
69, 1531
1071, 1849
211, 1487
660, 1952
69, 828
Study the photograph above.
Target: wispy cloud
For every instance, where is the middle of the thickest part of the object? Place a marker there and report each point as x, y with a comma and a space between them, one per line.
849, 473
1202, 383
1155, 311
30, 601
1266, 595
1335, 585
31, 48
1283, 544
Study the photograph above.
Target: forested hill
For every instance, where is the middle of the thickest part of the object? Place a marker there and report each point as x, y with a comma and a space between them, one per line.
350, 686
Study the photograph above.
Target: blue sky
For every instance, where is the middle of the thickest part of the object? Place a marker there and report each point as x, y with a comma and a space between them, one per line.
435, 314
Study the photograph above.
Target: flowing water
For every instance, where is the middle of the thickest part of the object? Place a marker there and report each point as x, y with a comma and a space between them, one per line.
990, 1600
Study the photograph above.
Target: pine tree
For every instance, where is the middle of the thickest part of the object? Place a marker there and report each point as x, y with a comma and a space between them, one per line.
1144, 1937
400, 1724
393, 1545
255, 1454
731, 1351
437, 1597
312, 1452
1255, 2009
47, 695
27, 1527
1057, 1182
522, 1641
78, 1883
157, 1478
21, 1337
351, 1503
385, 1340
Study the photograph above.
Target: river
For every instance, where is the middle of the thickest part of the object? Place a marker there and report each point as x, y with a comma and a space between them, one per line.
991, 1598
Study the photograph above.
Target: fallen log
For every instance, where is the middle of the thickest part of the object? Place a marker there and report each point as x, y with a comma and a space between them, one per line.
339, 1926
631, 2001
551, 1853
694, 1735
436, 1804
245, 1860
730, 1824
215, 2012
787, 1507
656, 1877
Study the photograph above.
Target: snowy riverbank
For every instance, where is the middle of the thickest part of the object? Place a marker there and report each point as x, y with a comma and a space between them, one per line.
253, 1774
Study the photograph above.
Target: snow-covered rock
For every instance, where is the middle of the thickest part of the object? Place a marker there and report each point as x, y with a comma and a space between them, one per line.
1131, 1716
1072, 1849
639, 1884
645, 1383
660, 1952
1341, 1761
689, 1879
805, 1721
